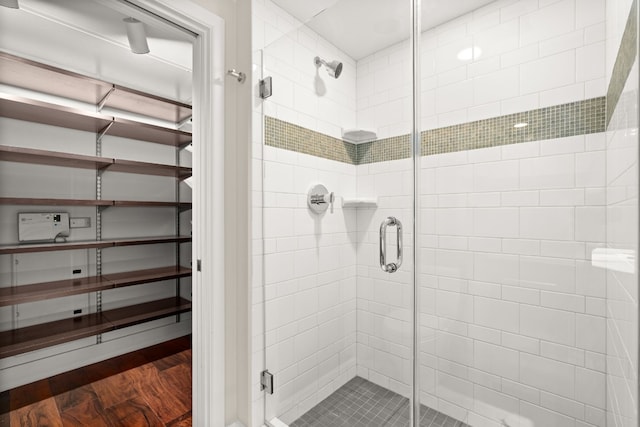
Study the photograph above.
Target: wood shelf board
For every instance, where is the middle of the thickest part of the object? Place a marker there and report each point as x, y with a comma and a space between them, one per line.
150, 133
150, 240
31, 110
131, 166
32, 75
131, 100
151, 204
52, 158
145, 312
31, 201
51, 246
27, 74
56, 289
89, 244
53, 202
82, 285
35, 337
20, 108
130, 278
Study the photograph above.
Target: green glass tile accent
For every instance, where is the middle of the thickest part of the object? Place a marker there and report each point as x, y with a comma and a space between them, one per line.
624, 61
558, 121
280, 134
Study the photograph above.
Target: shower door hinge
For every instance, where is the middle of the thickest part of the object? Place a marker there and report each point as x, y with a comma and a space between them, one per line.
266, 381
266, 89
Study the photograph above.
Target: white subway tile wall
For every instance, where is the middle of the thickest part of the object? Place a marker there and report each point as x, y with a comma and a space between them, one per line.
512, 314
622, 228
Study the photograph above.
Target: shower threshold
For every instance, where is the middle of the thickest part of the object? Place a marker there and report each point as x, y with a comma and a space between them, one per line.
361, 403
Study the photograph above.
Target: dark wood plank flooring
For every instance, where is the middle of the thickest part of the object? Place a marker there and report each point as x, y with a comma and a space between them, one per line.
149, 387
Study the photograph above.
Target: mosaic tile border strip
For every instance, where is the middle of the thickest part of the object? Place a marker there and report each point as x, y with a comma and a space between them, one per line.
280, 134
624, 61
559, 121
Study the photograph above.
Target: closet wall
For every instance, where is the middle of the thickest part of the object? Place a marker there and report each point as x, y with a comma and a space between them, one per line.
92, 55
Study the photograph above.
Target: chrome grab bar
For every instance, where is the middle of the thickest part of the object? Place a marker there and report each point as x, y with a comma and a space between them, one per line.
394, 266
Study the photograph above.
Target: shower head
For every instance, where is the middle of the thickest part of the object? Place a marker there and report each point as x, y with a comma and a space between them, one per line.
334, 68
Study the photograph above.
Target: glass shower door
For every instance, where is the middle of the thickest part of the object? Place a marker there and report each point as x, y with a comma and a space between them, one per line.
336, 216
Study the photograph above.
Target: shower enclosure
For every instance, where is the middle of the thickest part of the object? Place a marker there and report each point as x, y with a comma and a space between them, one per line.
445, 213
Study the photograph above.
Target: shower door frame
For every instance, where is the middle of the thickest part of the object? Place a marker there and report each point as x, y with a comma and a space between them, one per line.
415, 137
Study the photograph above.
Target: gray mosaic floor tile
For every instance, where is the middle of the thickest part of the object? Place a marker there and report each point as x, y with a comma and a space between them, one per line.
361, 403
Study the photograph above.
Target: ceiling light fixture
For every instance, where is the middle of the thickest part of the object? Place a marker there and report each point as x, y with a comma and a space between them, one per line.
520, 125
136, 34
469, 53
11, 4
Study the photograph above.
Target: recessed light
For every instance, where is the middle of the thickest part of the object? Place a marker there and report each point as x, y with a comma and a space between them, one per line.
520, 125
469, 53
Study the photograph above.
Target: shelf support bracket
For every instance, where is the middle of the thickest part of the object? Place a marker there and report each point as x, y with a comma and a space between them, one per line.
183, 122
105, 98
104, 130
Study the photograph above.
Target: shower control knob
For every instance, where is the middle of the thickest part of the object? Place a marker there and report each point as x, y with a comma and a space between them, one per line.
319, 199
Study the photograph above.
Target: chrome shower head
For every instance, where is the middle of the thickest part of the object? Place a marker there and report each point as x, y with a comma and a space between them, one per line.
334, 68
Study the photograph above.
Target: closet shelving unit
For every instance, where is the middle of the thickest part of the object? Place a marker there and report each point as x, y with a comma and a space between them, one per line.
41, 78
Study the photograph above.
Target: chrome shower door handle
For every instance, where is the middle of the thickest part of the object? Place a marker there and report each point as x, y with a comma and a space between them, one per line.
394, 266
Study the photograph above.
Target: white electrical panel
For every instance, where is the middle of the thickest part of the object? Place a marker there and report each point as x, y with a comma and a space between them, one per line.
38, 226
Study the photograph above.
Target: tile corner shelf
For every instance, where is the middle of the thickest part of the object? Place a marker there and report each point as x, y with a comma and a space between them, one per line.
359, 202
36, 78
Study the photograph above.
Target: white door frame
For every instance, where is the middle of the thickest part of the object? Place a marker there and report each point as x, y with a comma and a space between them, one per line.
208, 203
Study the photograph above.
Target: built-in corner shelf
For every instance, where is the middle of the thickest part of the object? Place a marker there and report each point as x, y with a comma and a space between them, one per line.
89, 244
359, 202
30, 338
55, 158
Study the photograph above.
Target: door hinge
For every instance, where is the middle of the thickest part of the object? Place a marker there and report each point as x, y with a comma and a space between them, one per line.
198, 265
266, 381
266, 88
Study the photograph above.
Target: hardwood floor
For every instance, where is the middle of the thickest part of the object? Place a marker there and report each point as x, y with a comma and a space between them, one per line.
149, 387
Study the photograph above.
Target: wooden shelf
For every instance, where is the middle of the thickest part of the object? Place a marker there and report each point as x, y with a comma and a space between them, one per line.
90, 244
86, 202
152, 204
53, 202
30, 338
52, 158
20, 108
62, 288
130, 278
132, 100
150, 133
55, 158
59, 288
140, 313
35, 337
131, 166
27, 74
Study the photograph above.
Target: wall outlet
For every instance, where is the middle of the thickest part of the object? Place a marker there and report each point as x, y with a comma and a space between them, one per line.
80, 222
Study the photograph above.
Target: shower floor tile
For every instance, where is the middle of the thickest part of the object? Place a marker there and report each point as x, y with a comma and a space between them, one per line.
361, 403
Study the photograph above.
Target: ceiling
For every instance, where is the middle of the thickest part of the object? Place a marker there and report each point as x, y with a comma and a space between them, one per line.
89, 37
362, 27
